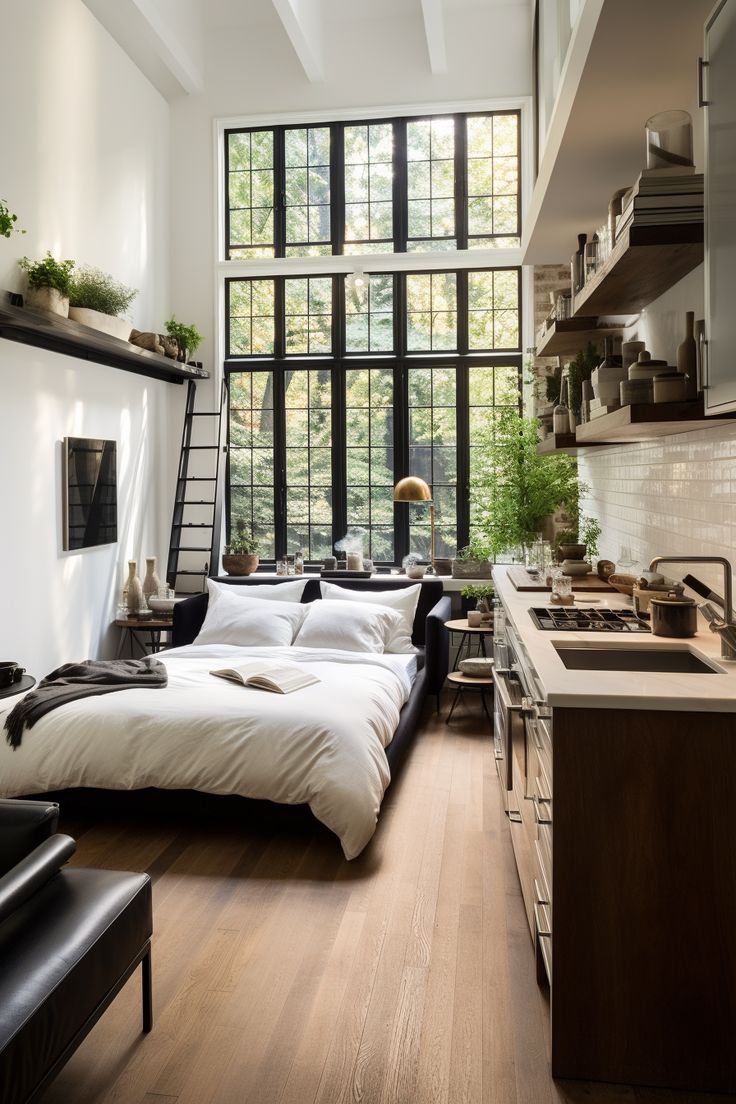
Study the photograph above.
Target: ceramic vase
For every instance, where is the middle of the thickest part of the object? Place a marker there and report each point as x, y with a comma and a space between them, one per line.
151, 583
687, 356
134, 588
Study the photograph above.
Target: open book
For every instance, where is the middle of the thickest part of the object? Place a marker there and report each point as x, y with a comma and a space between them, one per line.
280, 678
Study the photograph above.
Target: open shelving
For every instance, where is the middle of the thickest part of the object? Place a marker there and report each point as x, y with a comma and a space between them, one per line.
62, 335
567, 336
646, 422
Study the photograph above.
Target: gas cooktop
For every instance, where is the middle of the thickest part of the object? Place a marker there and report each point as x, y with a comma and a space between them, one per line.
587, 619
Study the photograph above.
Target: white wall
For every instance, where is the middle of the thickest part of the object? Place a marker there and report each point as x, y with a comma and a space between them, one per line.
370, 62
675, 495
85, 164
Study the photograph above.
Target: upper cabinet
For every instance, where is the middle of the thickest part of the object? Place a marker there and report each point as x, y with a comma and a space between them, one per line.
719, 93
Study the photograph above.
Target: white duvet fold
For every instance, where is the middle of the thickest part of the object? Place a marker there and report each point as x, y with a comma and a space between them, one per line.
322, 745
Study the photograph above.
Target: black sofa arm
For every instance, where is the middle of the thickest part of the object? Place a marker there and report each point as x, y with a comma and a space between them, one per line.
437, 645
33, 871
189, 617
23, 825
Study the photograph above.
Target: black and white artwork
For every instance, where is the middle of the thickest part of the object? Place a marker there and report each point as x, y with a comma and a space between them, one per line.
90, 493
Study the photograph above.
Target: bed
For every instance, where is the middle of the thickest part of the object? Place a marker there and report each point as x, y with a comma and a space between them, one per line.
332, 746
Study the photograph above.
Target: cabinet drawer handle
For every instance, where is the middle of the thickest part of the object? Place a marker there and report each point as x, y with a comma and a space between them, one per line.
702, 66
541, 819
539, 894
541, 932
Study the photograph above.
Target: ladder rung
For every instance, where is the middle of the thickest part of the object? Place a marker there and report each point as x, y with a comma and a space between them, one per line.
202, 571
189, 548
198, 479
204, 414
195, 525
202, 448
194, 502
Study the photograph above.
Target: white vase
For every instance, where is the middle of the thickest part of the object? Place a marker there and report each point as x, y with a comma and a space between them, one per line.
105, 323
135, 589
47, 299
151, 582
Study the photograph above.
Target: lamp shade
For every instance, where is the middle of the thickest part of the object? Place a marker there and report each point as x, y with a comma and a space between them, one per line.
412, 489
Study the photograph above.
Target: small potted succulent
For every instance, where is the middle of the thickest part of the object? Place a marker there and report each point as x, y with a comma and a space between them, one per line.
49, 284
241, 554
99, 301
484, 593
188, 338
413, 566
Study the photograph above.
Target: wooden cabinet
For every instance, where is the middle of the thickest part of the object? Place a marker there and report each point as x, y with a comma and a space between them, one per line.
626, 860
719, 80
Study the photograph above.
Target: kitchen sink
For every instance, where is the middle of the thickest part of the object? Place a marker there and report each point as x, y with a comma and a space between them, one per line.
668, 660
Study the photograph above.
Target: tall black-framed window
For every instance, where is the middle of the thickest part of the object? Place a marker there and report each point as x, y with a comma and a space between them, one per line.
435, 182
318, 435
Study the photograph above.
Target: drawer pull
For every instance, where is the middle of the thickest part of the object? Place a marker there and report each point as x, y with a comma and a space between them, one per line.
540, 815
539, 894
543, 933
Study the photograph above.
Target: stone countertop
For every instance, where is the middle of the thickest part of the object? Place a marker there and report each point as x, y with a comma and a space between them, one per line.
714, 693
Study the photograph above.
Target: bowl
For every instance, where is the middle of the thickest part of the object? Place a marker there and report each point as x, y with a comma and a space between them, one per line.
416, 571
575, 567
163, 605
624, 584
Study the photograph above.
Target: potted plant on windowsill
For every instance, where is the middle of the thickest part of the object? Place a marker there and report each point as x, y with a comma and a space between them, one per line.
98, 301
472, 562
49, 282
188, 338
241, 554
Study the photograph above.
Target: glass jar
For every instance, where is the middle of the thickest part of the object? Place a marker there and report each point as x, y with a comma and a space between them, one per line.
561, 413
281, 567
298, 562
669, 140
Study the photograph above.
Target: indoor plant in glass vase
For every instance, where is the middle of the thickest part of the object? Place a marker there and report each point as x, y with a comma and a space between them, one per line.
241, 554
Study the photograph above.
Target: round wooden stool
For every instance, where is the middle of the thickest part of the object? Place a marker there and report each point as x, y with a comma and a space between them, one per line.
462, 681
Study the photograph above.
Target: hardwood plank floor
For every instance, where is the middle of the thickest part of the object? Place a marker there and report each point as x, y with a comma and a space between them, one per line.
285, 975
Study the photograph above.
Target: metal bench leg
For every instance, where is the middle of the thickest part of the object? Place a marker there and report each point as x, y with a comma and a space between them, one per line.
147, 991
485, 703
458, 692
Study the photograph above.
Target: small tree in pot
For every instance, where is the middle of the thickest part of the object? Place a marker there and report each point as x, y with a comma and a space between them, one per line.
241, 554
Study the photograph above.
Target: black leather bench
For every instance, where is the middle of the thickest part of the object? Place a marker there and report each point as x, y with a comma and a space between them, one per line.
69, 940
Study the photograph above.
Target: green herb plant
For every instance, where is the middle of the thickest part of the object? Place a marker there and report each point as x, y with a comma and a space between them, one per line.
243, 543
7, 221
96, 290
48, 273
479, 590
477, 549
590, 530
189, 337
517, 488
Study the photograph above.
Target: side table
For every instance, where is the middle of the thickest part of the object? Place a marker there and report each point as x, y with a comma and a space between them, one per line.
470, 633
462, 681
133, 626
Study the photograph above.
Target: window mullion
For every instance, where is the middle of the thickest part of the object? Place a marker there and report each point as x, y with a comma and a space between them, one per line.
339, 454
462, 398
400, 187
401, 457
279, 459
337, 187
279, 191
461, 181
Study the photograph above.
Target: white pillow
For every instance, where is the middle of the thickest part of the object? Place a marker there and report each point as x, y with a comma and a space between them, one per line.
401, 599
348, 626
244, 621
273, 592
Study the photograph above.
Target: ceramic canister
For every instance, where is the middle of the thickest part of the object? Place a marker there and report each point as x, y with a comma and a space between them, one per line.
671, 616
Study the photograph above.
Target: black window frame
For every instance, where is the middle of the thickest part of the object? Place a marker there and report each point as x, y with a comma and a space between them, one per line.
339, 361
401, 241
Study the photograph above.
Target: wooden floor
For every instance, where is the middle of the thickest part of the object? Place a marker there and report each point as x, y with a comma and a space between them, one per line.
285, 975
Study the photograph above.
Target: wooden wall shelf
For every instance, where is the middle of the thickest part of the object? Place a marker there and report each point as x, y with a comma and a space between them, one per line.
557, 442
645, 262
646, 422
568, 336
61, 335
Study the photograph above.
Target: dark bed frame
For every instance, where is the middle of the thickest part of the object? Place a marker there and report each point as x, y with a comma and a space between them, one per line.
429, 635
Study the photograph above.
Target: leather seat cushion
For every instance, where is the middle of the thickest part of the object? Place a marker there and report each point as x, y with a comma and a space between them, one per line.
61, 953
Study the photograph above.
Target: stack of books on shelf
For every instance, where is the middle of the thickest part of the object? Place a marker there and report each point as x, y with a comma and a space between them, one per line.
662, 196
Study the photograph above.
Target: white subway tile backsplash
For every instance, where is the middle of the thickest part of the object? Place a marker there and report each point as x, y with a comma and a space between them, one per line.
674, 495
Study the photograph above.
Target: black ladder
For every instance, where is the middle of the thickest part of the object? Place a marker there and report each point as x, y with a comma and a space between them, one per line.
198, 501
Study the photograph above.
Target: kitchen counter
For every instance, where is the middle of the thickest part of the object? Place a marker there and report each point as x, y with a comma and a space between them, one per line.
714, 693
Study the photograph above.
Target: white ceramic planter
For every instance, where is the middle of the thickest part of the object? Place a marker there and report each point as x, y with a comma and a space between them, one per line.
106, 323
47, 299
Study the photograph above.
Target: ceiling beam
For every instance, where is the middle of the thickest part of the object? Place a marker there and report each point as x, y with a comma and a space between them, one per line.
152, 43
434, 29
300, 20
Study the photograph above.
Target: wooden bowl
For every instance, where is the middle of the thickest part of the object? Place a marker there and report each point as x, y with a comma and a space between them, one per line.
624, 584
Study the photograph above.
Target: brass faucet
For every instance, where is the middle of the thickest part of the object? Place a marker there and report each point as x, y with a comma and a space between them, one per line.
725, 626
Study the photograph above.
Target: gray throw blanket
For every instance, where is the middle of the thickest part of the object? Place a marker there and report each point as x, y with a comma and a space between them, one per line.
82, 680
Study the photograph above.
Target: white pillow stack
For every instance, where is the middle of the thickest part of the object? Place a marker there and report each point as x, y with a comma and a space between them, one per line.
403, 600
272, 592
246, 622
348, 627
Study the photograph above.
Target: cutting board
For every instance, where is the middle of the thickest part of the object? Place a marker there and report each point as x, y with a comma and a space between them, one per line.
522, 580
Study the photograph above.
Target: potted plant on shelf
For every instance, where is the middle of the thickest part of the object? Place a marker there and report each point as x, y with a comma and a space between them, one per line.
49, 282
99, 301
516, 488
241, 554
8, 220
471, 562
187, 337
579, 371
484, 593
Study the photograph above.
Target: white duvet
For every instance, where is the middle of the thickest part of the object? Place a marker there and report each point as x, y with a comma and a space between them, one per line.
322, 745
